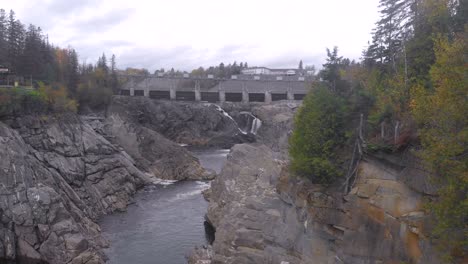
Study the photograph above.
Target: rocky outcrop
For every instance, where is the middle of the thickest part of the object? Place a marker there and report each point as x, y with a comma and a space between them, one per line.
276, 122
381, 220
57, 178
264, 215
196, 124
200, 255
59, 174
247, 212
152, 152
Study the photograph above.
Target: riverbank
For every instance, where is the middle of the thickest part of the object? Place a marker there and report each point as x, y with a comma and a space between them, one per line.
60, 173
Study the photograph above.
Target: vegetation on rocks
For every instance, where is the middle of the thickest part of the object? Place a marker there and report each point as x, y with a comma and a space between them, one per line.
34, 63
45, 99
319, 131
411, 87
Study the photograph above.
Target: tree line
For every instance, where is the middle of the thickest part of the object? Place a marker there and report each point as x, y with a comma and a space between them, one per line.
411, 86
220, 71
32, 60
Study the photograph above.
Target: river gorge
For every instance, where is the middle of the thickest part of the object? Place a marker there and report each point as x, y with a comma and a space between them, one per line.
125, 186
165, 221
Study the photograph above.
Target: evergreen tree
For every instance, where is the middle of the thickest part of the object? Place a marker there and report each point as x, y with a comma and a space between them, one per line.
318, 133
331, 71
3, 37
73, 77
114, 80
301, 67
31, 59
14, 41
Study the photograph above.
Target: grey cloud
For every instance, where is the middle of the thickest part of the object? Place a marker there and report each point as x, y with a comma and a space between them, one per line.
63, 8
178, 57
55, 11
185, 58
103, 22
292, 61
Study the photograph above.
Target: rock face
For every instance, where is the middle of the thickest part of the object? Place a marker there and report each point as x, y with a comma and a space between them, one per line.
246, 210
197, 124
276, 121
263, 215
57, 178
152, 152
58, 175
380, 221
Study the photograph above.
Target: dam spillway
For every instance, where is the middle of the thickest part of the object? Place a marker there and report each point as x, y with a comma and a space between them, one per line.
243, 88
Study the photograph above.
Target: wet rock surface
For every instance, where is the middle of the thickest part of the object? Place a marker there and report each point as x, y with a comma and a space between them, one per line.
195, 124
276, 122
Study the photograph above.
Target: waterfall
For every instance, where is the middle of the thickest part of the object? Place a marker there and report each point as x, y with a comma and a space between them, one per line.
221, 110
253, 125
256, 124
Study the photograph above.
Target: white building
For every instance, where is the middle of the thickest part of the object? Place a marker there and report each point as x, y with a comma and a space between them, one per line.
267, 71
256, 70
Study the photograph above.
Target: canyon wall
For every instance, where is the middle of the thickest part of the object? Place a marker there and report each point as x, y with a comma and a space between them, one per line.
59, 173
264, 214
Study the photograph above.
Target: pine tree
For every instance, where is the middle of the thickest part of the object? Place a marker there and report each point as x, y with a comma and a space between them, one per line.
301, 67
14, 41
331, 69
31, 59
114, 81
3, 37
73, 77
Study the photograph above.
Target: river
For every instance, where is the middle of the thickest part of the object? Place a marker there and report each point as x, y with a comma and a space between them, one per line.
164, 222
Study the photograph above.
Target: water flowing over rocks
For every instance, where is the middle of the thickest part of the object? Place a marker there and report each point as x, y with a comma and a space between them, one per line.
195, 124
276, 122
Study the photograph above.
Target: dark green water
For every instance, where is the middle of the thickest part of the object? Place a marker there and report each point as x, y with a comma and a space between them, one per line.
164, 223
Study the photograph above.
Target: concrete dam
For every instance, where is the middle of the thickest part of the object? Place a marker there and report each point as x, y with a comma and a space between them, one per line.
238, 88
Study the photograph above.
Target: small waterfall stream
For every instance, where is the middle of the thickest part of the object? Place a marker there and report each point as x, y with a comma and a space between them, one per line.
247, 122
251, 123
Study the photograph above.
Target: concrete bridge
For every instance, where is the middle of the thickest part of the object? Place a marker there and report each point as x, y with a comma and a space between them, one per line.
237, 88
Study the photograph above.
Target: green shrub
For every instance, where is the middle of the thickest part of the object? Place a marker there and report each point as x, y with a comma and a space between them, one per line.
48, 98
318, 134
94, 95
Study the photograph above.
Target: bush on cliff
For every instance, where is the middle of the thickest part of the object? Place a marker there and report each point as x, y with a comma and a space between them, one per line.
47, 98
95, 91
318, 133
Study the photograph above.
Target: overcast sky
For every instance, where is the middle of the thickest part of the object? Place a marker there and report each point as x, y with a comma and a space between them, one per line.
186, 34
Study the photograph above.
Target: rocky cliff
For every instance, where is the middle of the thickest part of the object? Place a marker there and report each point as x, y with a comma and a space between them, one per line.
195, 124
276, 122
263, 214
60, 173
58, 177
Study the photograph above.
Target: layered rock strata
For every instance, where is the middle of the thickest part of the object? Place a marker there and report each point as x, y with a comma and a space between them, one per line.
263, 215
